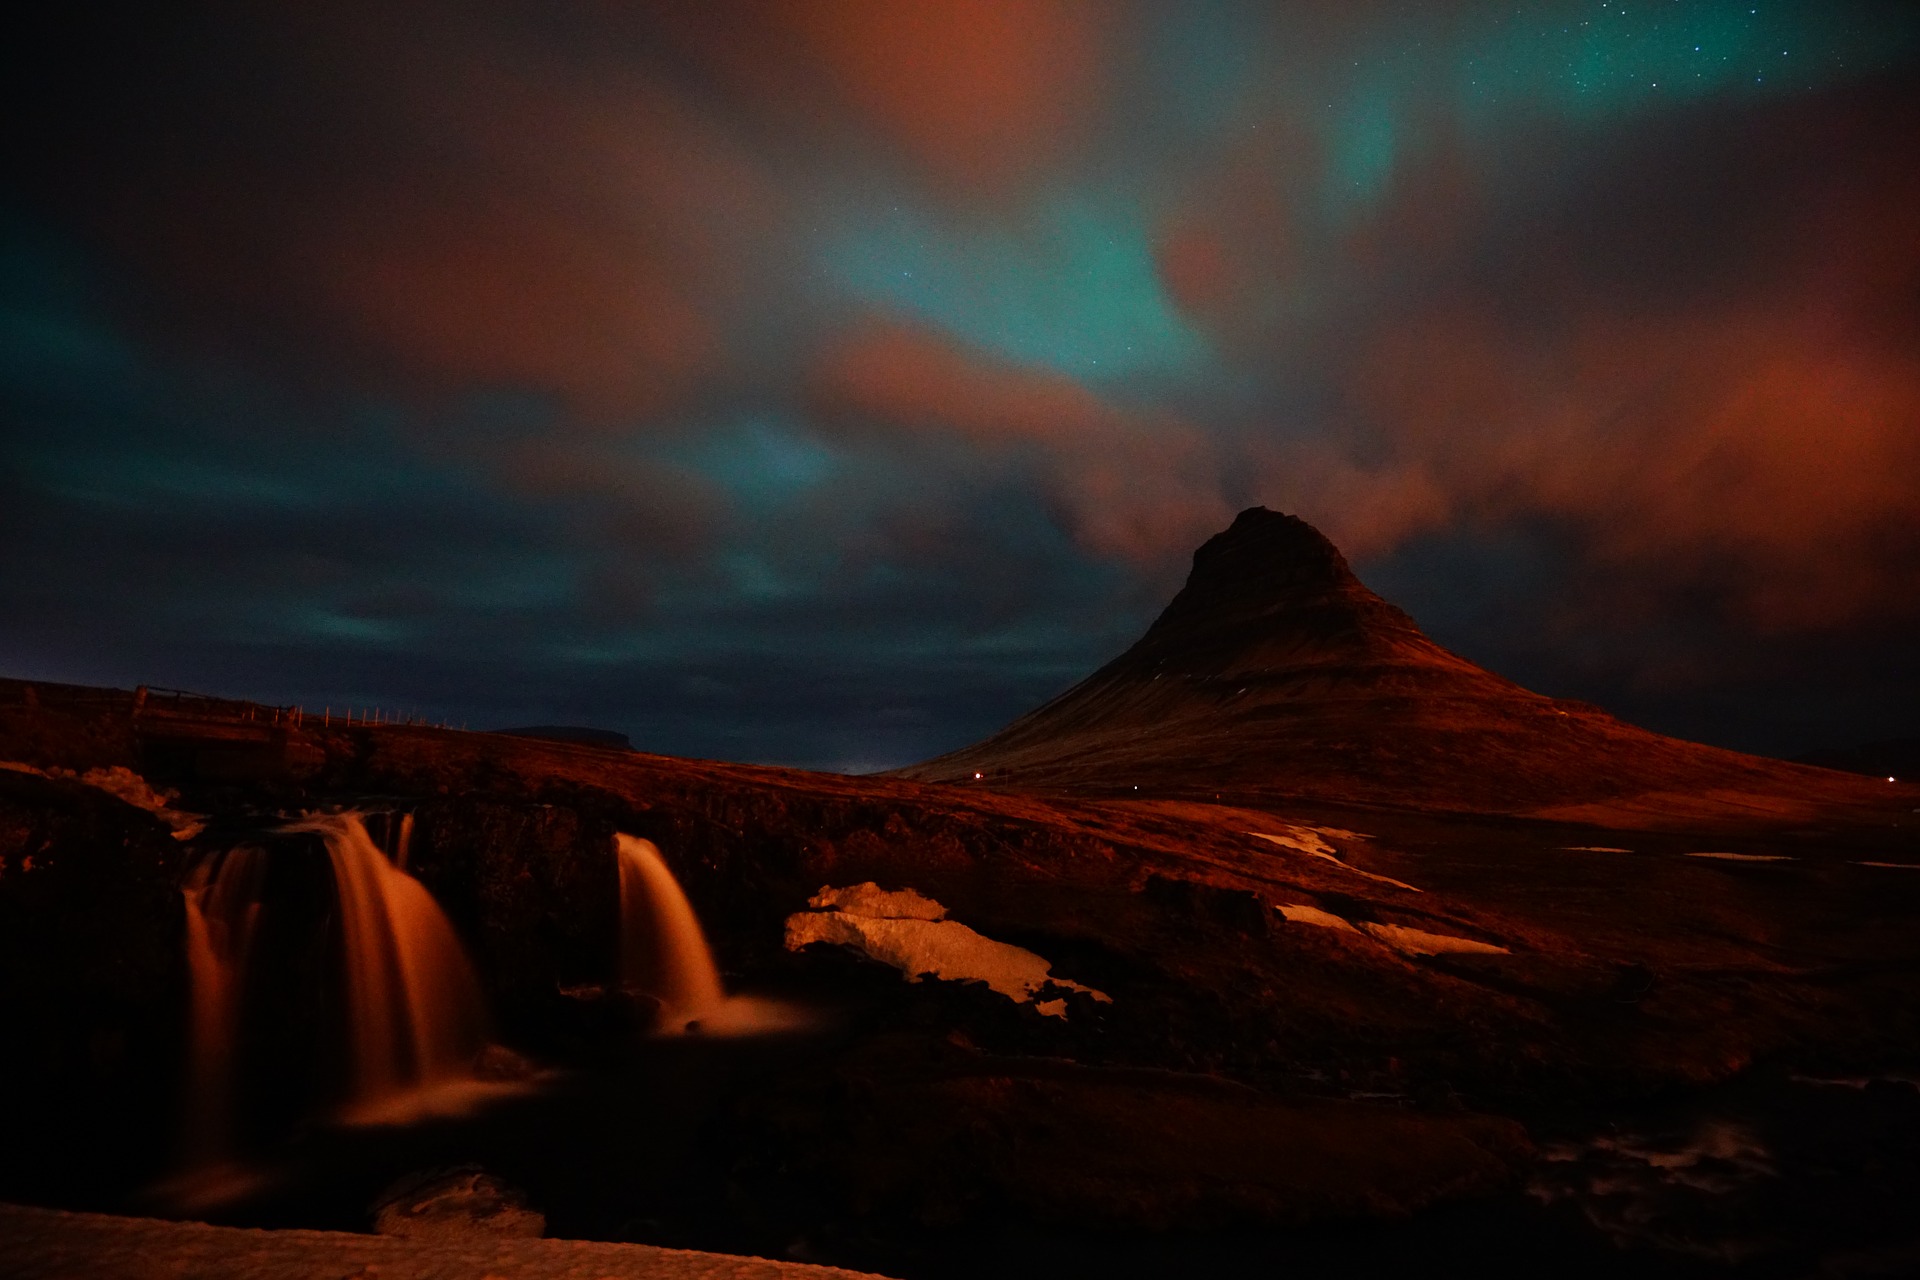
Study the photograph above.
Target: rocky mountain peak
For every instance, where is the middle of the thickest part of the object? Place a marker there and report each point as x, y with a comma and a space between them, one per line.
1271, 577
1276, 674
1270, 549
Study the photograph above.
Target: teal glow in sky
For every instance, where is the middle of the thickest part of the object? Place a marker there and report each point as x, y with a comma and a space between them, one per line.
1071, 285
799, 383
1608, 56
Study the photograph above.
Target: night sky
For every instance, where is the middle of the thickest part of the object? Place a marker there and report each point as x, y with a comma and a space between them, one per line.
827, 383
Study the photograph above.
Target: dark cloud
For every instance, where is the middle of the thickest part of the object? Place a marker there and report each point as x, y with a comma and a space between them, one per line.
1711, 380
1127, 483
979, 97
829, 381
427, 201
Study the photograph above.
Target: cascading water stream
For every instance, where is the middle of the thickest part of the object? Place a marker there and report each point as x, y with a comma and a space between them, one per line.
663, 950
391, 832
222, 902
664, 953
222, 898
416, 1018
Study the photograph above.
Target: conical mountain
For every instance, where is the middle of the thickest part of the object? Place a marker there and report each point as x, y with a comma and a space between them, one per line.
1276, 674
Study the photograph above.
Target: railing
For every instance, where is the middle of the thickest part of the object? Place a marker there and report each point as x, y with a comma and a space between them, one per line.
154, 700
148, 699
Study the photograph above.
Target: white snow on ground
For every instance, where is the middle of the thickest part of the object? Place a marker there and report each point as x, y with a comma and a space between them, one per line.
1413, 942
1418, 942
45, 1244
128, 787
1311, 841
909, 932
1744, 857
1305, 839
870, 899
1301, 913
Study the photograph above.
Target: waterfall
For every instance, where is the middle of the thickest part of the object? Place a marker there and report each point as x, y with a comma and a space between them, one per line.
222, 899
416, 1023
663, 950
222, 907
664, 953
391, 832
415, 1016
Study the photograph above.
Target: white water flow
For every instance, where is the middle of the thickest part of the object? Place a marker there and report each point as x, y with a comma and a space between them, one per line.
415, 1015
663, 950
664, 953
222, 895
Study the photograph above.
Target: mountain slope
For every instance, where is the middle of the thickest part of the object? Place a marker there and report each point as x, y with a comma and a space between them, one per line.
1274, 673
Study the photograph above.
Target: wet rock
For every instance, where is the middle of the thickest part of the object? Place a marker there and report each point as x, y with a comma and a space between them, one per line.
454, 1202
533, 892
91, 977
497, 1062
1056, 1141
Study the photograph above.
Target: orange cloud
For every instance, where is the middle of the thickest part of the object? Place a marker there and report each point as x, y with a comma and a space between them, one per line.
1227, 253
983, 94
1768, 455
458, 297
448, 212
1714, 401
1774, 469
632, 503
1129, 483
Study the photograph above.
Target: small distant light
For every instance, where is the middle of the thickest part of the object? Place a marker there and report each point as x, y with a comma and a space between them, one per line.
976, 777
1889, 777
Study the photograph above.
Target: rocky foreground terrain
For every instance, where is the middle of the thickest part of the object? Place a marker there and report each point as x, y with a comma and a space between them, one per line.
1341, 929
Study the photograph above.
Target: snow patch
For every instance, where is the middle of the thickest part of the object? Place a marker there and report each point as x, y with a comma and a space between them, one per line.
1304, 839
1418, 942
1412, 942
910, 932
128, 787
1301, 913
1312, 842
870, 899
1897, 866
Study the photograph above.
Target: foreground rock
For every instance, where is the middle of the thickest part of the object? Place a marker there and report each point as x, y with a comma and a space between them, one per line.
968, 1136
454, 1203
45, 1244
